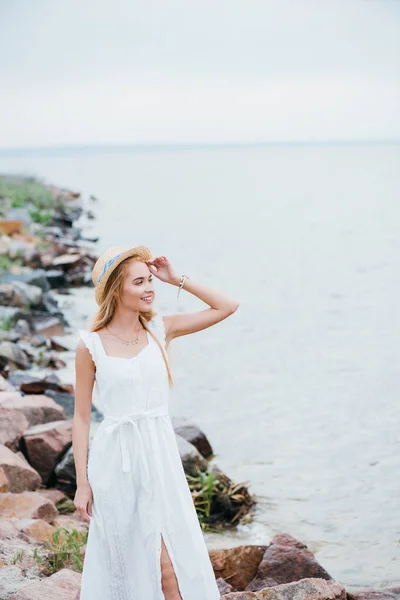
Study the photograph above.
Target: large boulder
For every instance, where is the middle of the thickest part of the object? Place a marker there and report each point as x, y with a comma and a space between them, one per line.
4, 485
13, 424
285, 560
381, 594
192, 434
46, 443
11, 354
19, 473
20, 294
31, 384
67, 401
66, 467
237, 565
14, 543
192, 460
38, 530
305, 589
63, 585
37, 408
27, 505
5, 385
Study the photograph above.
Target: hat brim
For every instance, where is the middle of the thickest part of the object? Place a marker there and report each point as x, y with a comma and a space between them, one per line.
139, 251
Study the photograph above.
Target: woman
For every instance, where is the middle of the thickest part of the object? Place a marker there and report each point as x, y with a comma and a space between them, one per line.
145, 541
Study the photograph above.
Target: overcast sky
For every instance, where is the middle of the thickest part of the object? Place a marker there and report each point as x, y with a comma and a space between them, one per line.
96, 71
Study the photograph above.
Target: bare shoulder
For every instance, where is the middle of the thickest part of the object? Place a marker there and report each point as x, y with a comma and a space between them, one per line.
84, 361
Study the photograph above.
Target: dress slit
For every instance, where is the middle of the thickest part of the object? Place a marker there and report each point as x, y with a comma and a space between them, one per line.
163, 537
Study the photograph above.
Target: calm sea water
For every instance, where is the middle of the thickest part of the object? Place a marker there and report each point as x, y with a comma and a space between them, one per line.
298, 391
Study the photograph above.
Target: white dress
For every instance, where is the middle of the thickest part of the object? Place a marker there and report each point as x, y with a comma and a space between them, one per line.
140, 491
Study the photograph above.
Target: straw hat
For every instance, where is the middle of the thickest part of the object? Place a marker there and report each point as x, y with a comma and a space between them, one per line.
109, 260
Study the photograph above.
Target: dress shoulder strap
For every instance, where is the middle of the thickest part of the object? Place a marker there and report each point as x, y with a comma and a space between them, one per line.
90, 343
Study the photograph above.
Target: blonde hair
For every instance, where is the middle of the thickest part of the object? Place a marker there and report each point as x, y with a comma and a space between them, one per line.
112, 295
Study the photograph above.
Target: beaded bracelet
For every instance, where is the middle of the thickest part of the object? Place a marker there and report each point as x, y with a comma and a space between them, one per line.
181, 282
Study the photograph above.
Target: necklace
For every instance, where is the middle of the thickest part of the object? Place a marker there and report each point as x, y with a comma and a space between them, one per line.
126, 342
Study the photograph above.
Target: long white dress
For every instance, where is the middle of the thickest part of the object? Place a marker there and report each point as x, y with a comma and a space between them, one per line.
140, 491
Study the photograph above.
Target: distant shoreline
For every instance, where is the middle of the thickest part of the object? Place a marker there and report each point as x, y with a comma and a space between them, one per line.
102, 148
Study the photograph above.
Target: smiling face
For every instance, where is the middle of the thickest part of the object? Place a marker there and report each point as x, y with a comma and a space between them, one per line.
137, 287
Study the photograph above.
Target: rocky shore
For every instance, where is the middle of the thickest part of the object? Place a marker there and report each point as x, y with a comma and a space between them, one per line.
42, 538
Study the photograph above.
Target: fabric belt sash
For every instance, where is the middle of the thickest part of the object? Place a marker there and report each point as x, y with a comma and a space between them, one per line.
118, 423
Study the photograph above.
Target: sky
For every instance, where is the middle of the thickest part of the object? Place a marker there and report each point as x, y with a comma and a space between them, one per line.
179, 71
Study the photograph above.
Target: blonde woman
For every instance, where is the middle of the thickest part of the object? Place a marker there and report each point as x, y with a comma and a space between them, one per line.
145, 541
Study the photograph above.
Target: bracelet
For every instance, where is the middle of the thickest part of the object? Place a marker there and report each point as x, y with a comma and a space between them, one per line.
181, 282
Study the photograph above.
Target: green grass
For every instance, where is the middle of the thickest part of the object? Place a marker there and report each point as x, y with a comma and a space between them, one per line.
24, 192
6, 324
64, 551
219, 502
6, 262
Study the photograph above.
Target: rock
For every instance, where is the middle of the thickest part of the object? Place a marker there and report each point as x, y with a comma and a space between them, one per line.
8, 530
63, 585
49, 326
10, 353
381, 594
37, 529
46, 443
50, 360
12, 579
20, 294
193, 435
31, 351
64, 194
5, 385
65, 261
4, 486
58, 345
53, 494
192, 460
37, 277
9, 336
67, 401
56, 278
38, 341
37, 408
89, 238
10, 227
13, 423
19, 473
36, 385
285, 560
11, 313
27, 505
20, 214
65, 469
224, 587
305, 589
237, 565
22, 327
79, 278
15, 553
71, 522
50, 306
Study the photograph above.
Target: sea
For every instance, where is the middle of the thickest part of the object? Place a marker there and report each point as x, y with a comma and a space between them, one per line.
299, 390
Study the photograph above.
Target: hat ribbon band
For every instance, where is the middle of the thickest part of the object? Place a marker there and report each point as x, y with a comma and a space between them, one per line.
107, 265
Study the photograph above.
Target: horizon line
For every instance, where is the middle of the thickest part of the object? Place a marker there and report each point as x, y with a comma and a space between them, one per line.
4, 151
